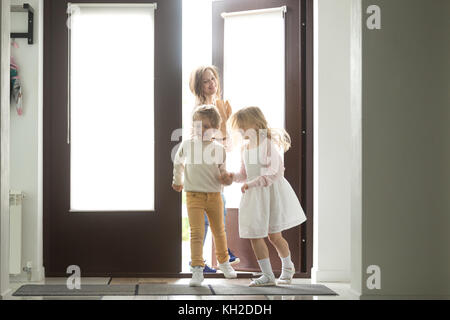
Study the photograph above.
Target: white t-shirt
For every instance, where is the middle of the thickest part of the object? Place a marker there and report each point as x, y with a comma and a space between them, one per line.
201, 163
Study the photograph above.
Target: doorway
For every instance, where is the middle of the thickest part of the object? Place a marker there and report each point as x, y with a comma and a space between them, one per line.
285, 58
295, 104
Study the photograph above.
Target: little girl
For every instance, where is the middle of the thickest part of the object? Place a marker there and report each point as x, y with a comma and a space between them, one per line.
269, 205
202, 161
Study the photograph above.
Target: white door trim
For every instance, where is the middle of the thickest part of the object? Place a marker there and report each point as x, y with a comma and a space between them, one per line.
5, 146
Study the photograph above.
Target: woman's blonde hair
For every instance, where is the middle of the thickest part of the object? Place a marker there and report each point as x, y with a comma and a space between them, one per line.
196, 83
253, 118
208, 112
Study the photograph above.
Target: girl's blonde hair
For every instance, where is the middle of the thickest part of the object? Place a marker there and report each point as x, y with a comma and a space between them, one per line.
196, 83
253, 118
208, 112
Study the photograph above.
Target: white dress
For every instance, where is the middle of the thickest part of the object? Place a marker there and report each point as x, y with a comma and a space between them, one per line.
270, 205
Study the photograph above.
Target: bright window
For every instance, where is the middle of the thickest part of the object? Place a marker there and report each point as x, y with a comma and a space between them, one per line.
254, 72
112, 127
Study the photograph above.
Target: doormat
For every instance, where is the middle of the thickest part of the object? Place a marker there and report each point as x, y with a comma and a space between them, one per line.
85, 291
285, 290
161, 289
234, 290
158, 289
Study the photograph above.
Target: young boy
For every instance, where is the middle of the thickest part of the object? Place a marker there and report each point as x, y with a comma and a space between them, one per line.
202, 162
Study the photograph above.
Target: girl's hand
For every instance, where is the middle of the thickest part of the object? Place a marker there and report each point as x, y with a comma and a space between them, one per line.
227, 179
244, 188
177, 188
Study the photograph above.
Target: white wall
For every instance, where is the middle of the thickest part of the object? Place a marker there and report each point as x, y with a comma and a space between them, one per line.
4, 135
332, 141
27, 138
356, 277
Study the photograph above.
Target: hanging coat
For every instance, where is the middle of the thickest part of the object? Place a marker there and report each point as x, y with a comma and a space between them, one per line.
16, 87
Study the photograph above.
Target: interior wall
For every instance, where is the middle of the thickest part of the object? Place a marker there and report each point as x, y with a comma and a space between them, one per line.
406, 149
356, 274
4, 150
332, 141
27, 139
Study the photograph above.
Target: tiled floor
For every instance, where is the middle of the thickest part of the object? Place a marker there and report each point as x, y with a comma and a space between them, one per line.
342, 289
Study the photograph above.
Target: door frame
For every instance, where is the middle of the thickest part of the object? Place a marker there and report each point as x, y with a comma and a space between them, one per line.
167, 74
306, 143
307, 94
4, 146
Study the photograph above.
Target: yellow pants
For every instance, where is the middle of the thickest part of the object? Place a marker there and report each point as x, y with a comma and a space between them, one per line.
197, 204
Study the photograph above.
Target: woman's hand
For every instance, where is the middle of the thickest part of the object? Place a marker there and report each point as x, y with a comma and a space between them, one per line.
244, 188
226, 179
177, 188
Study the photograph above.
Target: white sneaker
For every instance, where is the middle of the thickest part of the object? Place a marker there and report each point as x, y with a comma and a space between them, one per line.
264, 281
197, 277
286, 276
228, 270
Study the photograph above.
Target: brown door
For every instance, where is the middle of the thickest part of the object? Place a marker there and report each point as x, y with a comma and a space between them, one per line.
298, 122
118, 242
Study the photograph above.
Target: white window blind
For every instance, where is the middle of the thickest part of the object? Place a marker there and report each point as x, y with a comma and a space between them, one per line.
111, 107
254, 71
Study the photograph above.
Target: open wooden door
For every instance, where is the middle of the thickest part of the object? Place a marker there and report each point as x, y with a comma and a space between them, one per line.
121, 219
289, 51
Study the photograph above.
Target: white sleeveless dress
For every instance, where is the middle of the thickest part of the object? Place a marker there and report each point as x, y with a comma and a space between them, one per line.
267, 209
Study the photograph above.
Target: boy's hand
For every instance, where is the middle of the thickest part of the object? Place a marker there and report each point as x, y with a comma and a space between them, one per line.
226, 179
244, 188
177, 188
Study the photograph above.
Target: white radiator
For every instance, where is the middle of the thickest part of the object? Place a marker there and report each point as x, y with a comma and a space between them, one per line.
15, 232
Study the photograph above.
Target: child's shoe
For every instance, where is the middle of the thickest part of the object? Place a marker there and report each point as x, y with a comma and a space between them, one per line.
233, 259
264, 281
208, 269
197, 277
228, 270
286, 276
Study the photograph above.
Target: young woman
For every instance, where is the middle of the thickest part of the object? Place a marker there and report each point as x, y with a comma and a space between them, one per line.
205, 85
